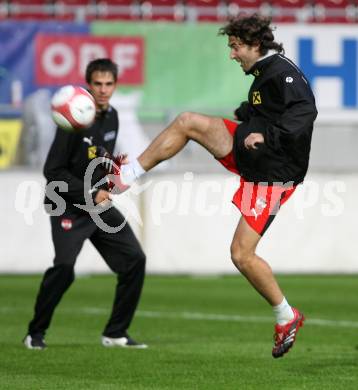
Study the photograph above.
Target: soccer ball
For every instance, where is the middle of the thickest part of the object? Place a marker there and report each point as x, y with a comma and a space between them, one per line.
73, 108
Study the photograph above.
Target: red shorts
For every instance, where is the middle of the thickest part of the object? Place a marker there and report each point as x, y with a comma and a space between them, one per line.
257, 202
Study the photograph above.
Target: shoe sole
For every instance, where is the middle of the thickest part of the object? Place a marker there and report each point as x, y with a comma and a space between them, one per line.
286, 347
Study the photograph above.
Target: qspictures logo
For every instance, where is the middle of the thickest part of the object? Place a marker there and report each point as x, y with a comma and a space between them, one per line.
180, 195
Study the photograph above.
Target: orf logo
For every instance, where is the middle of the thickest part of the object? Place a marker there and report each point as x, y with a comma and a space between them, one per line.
62, 59
66, 224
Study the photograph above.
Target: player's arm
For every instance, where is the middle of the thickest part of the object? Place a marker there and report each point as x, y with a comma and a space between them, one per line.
299, 111
243, 113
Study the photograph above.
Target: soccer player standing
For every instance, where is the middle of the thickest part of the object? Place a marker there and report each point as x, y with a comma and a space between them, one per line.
269, 150
69, 157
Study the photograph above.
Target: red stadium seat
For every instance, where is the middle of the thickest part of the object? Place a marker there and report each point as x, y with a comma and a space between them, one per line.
74, 2
334, 11
169, 10
115, 2
291, 11
29, 2
206, 10
333, 3
118, 10
30, 9
236, 7
248, 3
202, 3
4, 11
79, 10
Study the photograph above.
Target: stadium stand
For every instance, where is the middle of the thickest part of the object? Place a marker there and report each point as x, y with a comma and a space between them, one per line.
118, 10
30, 9
167, 10
3, 10
335, 11
206, 10
291, 11
81, 10
281, 11
247, 6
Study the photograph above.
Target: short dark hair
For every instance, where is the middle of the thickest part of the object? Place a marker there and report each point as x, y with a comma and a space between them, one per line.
101, 65
253, 30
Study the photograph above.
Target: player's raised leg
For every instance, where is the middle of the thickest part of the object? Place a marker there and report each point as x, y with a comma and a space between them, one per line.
259, 274
208, 131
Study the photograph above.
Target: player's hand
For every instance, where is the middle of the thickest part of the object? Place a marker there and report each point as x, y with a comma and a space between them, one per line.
102, 196
253, 139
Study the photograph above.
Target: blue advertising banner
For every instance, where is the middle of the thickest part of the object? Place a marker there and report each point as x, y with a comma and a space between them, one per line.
328, 55
17, 55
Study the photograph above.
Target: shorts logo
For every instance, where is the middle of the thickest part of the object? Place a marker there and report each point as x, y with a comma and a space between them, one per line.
92, 152
255, 213
66, 224
256, 98
261, 203
259, 207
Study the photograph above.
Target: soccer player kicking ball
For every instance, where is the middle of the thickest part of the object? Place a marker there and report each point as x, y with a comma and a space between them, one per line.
269, 150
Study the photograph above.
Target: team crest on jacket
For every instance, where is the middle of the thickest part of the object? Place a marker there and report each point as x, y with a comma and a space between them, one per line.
256, 97
66, 224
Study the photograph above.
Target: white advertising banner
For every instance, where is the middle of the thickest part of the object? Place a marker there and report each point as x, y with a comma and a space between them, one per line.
186, 223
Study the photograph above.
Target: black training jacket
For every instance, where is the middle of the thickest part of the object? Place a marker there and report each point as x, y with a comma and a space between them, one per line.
281, 106
72, 152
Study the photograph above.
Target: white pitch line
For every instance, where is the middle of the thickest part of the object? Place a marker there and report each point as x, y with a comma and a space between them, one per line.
227, 317
196, 316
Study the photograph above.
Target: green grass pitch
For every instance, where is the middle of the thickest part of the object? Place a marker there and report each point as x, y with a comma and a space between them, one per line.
203, 333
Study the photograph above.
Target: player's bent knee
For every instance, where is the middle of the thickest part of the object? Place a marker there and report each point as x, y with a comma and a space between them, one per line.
184, 119
189, 123
241, 257
138, 261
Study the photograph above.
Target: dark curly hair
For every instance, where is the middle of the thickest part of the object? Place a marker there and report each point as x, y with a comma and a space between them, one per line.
253, 30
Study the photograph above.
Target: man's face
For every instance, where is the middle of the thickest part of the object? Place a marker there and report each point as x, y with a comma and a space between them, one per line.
102, 86
244, 54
